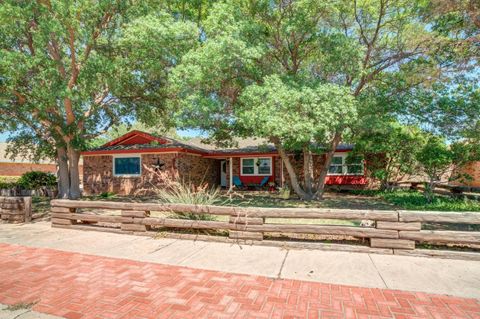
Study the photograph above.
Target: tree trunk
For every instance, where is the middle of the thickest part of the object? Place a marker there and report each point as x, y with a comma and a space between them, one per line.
291, 172
62, 173
308, 170
429, 189
328, 160
73, 159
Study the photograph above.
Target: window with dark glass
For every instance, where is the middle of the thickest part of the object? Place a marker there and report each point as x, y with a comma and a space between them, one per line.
127, 166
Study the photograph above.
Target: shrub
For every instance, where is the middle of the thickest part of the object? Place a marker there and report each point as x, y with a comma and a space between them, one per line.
107, 195
36, 180
175, 190
417, 201
8, 183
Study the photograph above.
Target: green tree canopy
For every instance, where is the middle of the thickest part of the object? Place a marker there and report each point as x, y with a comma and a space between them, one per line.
71, 70
298, 47
394, 148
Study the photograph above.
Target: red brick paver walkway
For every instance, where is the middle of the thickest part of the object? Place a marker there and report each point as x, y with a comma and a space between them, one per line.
75, 286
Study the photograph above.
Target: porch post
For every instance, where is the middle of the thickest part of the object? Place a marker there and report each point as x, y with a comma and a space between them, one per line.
231, 173
282, 179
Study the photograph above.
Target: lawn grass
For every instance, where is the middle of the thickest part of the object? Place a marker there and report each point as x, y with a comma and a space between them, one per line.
414, 200
331, 200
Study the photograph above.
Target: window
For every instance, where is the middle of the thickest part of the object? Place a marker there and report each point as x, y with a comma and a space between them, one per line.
248, 166
256, 166
342, 164
336, 166
127, 166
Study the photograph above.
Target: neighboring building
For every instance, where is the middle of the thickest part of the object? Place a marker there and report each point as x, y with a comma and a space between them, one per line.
136, 161
18, 165
471, 169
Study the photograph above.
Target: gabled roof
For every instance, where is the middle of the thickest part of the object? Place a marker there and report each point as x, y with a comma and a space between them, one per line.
135, 137
138, 141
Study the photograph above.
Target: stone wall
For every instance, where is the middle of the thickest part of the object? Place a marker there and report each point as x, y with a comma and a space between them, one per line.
98, 173
15, 209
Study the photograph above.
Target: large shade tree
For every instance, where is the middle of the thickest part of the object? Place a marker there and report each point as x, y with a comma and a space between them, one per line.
70, 70
264, 67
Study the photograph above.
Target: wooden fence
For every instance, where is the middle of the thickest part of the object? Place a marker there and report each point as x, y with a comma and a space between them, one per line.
392, 232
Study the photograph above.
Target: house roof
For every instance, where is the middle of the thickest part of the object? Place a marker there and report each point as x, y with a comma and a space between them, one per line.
137, 141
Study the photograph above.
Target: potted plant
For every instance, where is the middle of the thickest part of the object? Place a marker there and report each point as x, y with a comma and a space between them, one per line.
285, 192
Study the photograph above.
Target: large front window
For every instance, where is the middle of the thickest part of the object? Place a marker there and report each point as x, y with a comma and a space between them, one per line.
127, 166
256, 166
342, 164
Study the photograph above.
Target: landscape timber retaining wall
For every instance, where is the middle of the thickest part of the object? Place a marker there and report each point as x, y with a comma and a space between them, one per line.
393, 232
15, 209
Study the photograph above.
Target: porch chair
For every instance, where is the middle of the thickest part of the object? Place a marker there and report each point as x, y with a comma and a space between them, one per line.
263, 182
238, 183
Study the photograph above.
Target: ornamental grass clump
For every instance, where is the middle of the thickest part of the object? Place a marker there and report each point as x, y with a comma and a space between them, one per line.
175, 190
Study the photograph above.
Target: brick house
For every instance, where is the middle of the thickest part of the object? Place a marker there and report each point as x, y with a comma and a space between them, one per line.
17, 166
136, 161
471, 169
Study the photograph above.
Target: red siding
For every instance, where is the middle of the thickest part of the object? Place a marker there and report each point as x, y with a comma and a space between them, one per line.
346, 180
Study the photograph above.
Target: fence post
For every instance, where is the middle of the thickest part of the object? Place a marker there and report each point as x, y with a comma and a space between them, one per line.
395, 243
58, 216
132, 220
27, 208
239, 227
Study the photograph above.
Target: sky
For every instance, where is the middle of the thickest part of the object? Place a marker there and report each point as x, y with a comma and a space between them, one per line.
3, 137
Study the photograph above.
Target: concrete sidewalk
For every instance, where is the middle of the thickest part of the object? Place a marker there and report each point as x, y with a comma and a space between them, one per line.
7, 312
449, 277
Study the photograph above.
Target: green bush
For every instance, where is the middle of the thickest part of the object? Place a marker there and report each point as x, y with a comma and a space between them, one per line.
7, 184
36, 180
416, 201
107, 195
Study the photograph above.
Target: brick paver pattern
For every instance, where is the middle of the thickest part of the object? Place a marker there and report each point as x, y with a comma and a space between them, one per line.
75, 285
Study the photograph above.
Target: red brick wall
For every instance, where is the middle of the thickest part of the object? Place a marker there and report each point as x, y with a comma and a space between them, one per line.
98, 173
473, 170
18, 169
198, 170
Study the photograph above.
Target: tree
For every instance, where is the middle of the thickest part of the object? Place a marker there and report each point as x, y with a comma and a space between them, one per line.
394, 148
71, 70
460, 21
299, 46
436, 160
287, 114
439, 159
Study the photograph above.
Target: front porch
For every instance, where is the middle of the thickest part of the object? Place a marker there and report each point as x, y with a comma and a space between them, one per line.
251, 171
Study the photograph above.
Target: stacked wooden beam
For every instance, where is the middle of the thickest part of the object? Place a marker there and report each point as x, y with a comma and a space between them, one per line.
133, 220
240, 224
15, 209
395, 231
396, 227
